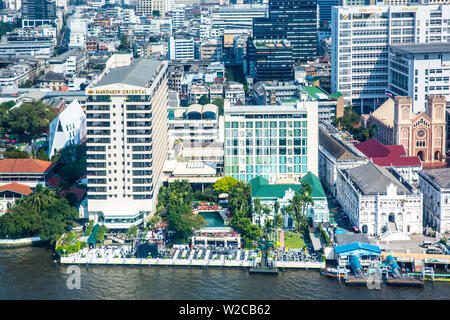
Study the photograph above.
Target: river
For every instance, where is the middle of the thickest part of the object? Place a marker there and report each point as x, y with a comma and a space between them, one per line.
30, 273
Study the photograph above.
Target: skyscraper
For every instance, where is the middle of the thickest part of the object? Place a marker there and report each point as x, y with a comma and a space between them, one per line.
38, 12
126, 113
295, 21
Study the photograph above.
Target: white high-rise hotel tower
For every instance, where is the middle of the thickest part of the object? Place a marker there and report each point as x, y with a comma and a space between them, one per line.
361, 37
126, 113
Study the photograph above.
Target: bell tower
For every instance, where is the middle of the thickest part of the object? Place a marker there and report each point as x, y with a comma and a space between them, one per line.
402, 122
437, 111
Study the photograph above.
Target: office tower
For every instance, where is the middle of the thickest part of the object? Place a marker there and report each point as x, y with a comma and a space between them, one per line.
38, 12
270, 60
419, 70
295, 21
325, 10
181, 47
360, 43
126, 113
277, 142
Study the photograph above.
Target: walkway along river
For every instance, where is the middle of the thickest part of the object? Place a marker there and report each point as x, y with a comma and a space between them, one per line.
30, 273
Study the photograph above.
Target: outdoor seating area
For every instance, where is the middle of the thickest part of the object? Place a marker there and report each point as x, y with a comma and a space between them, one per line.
205, 206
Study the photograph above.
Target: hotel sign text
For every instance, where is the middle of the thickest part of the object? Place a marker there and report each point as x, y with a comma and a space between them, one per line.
110, 92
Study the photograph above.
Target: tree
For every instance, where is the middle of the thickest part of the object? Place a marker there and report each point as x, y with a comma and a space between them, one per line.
257, 209
100, 234
14, 153
40, 197
219, 102
225, 184
300, 204
70, 164
132, 231
203, 100
29, 120
276, 207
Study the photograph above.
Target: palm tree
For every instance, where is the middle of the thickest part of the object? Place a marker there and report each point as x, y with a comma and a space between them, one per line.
257, 209
40, 197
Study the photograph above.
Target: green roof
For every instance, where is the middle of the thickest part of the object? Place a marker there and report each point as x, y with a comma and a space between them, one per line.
262, 189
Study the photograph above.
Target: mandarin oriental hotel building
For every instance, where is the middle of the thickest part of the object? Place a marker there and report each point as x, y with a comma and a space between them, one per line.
277, 142
126, 113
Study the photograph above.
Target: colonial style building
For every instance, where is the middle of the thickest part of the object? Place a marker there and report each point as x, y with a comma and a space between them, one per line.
435, 186
283, 193
335, 154
422, 134
379, 201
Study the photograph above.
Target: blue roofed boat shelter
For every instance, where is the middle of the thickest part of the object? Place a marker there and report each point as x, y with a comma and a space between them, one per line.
364, 251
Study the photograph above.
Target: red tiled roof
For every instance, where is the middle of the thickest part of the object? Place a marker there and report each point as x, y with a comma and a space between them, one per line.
373, 149
80, 193
387, 156
397, 161
25, 166
16, 187
54, 181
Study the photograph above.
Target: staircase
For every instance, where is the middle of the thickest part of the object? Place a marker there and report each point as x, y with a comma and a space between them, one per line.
392, 233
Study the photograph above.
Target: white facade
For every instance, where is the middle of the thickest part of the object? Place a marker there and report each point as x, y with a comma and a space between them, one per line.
419, 70
181, 48
126, 140
69, 127
178, 18
436, 198
360, 40
393, 213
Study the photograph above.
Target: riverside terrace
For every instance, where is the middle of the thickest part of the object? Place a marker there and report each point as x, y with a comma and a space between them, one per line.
199, 257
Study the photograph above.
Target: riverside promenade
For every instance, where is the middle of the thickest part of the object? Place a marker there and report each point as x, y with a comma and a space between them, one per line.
186, 262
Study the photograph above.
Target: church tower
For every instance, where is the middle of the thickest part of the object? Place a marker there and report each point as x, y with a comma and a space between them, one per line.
402, 122
436, 111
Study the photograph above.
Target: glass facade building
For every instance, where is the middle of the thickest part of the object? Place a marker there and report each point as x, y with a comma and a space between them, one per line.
295, 21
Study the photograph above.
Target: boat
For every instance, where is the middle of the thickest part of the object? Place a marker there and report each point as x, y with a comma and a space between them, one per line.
331, 273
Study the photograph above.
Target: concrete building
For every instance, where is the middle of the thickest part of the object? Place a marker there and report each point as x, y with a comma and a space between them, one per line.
69, 127
335, 154
181, 48
127, 145
360, 47
379, 202
392, 157
419, 70
279, 143
435, 186
11, 192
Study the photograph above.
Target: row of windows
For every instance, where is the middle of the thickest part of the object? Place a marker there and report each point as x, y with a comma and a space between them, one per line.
258, 170
266, 124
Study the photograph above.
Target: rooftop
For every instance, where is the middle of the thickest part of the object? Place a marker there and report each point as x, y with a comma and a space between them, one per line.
387, 156
357, 246
421, 48
25, 166
17, 188
440, 176
262, 189
372, 179
139, 73
335, 147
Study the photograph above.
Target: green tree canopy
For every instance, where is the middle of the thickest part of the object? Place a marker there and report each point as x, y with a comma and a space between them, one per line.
225, 184
29, 120
219, 103
203, 100
14, 153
